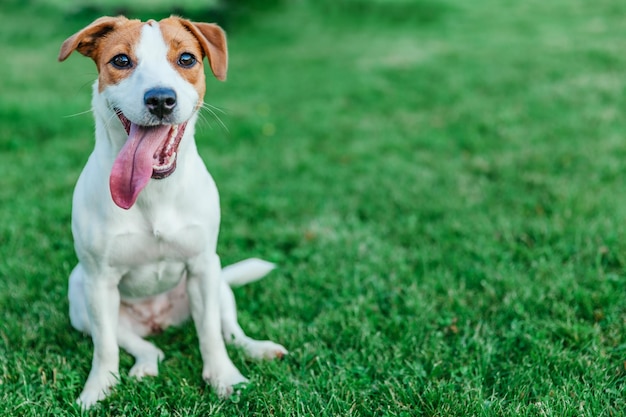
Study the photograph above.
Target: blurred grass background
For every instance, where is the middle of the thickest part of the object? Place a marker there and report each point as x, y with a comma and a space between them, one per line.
440, 181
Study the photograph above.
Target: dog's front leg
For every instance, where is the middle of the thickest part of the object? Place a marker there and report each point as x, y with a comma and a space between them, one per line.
203, 285
103, 303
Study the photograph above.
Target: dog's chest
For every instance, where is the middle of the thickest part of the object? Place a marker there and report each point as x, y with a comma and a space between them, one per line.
154, 259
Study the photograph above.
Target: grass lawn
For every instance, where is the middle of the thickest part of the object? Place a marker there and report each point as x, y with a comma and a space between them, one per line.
440, 181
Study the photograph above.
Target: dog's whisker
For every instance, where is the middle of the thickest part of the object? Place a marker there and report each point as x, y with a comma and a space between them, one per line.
204, 120
110, 120
205, 104
78, 114
211, 110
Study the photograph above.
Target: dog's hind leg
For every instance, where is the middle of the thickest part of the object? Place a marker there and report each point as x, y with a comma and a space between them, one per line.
233, 333
78, 307
147, 356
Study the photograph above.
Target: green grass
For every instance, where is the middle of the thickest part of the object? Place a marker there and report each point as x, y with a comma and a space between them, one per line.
441, 183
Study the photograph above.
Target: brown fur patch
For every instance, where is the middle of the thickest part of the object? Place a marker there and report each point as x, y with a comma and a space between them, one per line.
179, 41
103, 39
122, 40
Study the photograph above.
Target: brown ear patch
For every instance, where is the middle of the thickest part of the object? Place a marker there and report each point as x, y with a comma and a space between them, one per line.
213, 41
101, 41
87, 40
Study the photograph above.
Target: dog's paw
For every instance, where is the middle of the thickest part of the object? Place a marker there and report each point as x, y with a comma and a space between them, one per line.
225, 381
143, 369
94, 392
147, 365
265, 349
88, 399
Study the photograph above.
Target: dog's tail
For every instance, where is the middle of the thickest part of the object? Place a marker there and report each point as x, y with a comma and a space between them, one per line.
246, 271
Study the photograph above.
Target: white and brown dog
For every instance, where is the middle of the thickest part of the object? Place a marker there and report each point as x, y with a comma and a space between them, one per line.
145, 215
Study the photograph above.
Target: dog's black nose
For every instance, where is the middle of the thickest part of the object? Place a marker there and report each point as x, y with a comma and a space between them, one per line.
160, 101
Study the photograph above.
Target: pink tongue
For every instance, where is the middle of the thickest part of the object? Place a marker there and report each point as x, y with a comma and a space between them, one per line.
132, 168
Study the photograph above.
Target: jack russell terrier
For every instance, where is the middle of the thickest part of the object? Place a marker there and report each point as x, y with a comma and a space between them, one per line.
146, 215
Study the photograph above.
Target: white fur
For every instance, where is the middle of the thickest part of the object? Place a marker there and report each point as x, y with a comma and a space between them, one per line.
155, 264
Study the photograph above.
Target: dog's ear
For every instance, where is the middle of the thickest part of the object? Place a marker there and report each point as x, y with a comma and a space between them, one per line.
213, 41
86, 40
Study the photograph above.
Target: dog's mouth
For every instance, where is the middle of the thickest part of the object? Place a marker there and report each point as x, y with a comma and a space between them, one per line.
149, 152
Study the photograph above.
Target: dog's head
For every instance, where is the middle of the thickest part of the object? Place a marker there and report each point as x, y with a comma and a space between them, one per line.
150, 74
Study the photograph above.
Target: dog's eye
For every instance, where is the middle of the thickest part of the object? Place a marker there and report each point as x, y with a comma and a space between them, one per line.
187, 60
121, 61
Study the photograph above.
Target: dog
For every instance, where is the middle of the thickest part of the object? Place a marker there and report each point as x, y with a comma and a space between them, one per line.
145, 215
